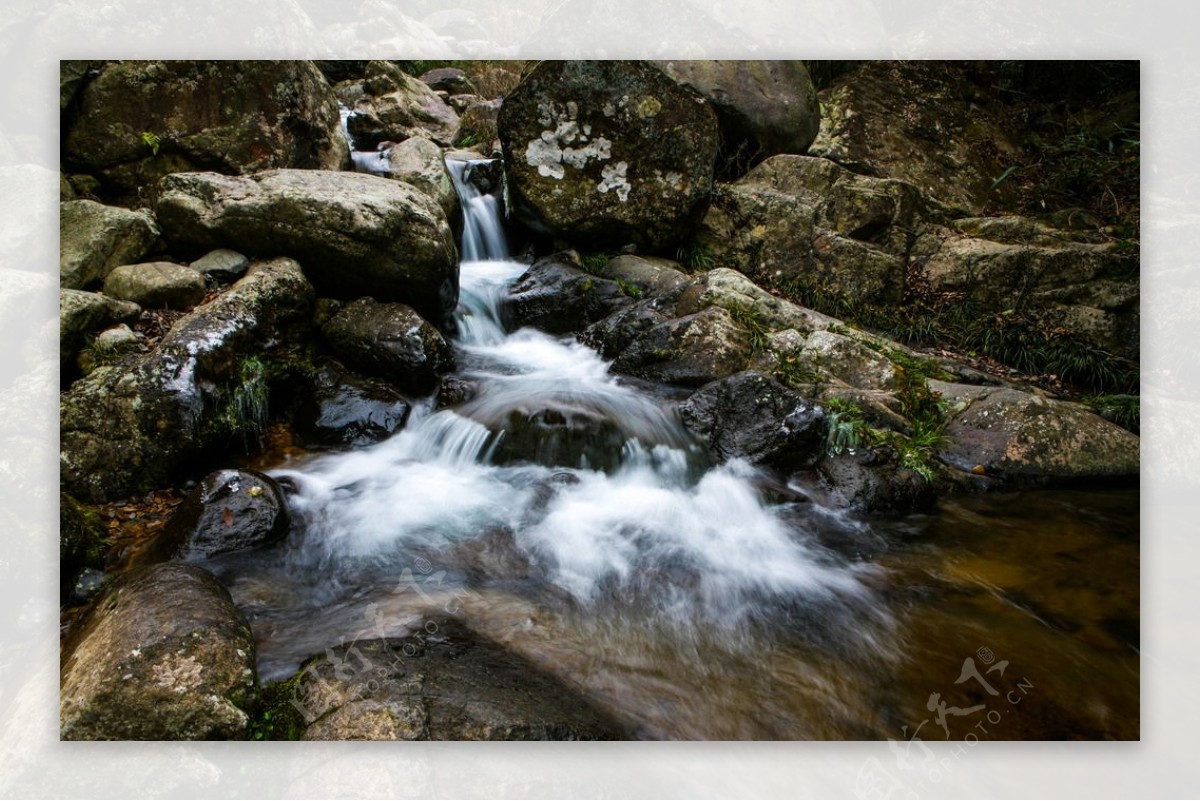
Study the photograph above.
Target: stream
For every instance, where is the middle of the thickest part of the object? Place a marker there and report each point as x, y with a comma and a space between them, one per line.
567, 514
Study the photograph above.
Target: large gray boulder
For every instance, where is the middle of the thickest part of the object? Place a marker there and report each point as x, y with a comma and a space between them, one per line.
162, 655
356, 235
94, 238
445, 683
418, 161
133, 427
607, 153
156, 284
690, 351
1020, 436
763, 107
557, 296
140, 120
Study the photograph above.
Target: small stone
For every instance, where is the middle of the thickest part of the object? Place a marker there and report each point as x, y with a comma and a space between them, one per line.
222, 264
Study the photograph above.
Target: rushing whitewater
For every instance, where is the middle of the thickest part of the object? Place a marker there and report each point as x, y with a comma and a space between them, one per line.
624, 520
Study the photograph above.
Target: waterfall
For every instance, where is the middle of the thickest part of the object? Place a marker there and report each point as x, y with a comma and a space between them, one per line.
483, 230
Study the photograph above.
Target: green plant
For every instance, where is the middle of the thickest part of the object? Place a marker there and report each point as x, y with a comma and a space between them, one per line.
1124, 410
750, 319
696, 257
151, 140
245, 410
846, 429
632, 290
596, 260
794, 373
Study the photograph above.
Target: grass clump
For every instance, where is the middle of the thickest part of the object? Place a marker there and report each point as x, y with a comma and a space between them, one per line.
750, 319
1123, 410
696, 257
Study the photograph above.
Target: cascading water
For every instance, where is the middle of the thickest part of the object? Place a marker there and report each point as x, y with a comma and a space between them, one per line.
629, 543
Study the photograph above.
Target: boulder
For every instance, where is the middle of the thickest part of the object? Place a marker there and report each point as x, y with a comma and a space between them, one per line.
867, 484
94, 238
389, 341
156, 284
689, 351
848, 360
643, 275
132, 427
557, 296
229, 510
140, 120
221, 265
616, 332
763, 107
395, 106
607, 153
1020, 436
753, 417
803, 224
343, 409
357, 235
163, 654
447, 79
922, 122
419, 162
443, 683
82, 314
477, 125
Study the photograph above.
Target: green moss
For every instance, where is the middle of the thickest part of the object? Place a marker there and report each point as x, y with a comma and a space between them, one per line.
597, 260
632, 290
275, 717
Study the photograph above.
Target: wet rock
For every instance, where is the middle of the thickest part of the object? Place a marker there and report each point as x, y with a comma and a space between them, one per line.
763, 107
557, 296
1017, 435
561, 437
447, 79
444, 683
607, 153
94, 238
389, 341
81, 543
396, 106
221, 264
753, 417
81, 314
419, 162
689, 351
156, 284
222, 116
229, 510
356, 235
347, 410
163, 654
88, 585
131, 427
801, 223
867, 484
922, 122
616, 332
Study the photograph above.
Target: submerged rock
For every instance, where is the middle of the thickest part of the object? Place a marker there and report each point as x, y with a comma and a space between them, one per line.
356, 235
94, 238
1017, 435
763, 107
156, 284
140, 120
389, 341
229, 510
444, 683
163, 654
343, 409
753, 417
132, 426
607, 153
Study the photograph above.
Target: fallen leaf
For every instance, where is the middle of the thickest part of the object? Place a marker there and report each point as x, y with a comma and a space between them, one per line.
227, 516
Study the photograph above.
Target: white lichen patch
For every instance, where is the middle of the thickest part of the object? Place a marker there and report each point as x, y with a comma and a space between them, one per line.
564, 143
181, 676
613, 178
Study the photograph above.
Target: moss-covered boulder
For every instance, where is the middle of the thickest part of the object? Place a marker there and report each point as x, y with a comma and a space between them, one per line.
922, 122
162, 655
94, 238
764, 107
607, 153
802, 224
389, 341
135, 426
1020, 436
356, 235
140, 120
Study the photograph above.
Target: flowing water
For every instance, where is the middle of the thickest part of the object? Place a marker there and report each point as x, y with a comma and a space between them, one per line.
570, 516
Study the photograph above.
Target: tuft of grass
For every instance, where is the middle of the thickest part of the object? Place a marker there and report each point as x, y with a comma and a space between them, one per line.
846, 429
597, 260
632, 290
696, 257
750, 319
792, 372
1124, 410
